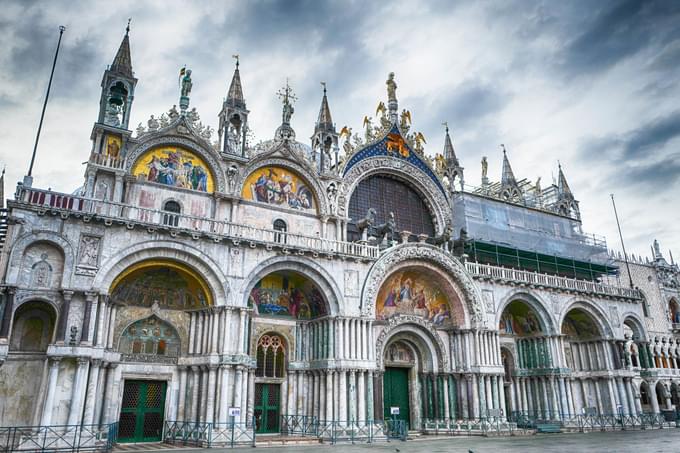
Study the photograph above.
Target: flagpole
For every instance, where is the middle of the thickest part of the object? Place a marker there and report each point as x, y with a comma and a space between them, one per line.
47, 96
625, 255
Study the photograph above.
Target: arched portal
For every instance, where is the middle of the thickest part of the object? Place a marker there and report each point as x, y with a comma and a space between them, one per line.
386, 194
421, 291
674, 311
270, 375
288, 293
33, 327
413, 388
579, 325
645, 397
169, 284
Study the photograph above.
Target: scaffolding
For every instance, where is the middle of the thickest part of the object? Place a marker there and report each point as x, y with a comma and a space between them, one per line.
498, 255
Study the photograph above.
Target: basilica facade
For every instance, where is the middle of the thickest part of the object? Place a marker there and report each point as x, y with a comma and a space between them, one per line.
199, 276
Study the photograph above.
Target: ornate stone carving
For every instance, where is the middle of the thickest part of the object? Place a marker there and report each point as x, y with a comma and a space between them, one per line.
88, 255
41, 273
434, 198
399, 320
424, 252
351, 283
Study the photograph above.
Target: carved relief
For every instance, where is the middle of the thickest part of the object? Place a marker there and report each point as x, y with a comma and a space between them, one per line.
41, 274
351, 283
399, 320
88, 255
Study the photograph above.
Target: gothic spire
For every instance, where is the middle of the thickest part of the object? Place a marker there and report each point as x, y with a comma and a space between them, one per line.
508, 177
235, 95
449, 153
324, 122
562, 186
122, 63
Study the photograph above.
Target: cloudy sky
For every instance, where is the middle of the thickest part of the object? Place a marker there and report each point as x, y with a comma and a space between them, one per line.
591, 84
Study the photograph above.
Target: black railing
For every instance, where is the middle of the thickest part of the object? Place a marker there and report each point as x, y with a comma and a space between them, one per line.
595, 421
335, 431
209, 435
58, 438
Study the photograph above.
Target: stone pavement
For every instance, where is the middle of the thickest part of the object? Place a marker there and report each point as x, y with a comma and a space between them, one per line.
649, 441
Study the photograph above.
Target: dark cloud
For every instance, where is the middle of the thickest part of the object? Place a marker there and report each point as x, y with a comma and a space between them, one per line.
603, 37
652, 136
662, 174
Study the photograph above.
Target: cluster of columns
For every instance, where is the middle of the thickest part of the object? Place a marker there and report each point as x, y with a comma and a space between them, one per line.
207, 392
540, 351
337, 338
594, 355
218, 330
560, 396
336, 394
474, 348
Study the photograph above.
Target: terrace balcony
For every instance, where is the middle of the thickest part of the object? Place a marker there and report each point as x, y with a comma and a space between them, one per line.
520, 277
66, 205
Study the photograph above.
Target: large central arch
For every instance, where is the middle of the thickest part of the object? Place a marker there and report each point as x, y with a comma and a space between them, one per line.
414, 254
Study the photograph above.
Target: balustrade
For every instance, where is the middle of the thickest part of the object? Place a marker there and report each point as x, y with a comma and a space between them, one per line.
111, 211
549, 281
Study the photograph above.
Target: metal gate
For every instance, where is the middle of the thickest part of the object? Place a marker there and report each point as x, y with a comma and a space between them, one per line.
141, 413
267, 407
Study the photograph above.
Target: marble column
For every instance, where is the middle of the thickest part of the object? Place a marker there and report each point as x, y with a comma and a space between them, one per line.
91, 396
476, 393
654, 398
329, 395
250, 401
62, 321
464, 396
342, 397
181, 401
110, 398
370, 399
76, 406
210, 403
48, 406
361, 396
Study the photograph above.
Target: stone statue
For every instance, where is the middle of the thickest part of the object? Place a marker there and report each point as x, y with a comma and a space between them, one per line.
332, 193
186, 84
485, 167
459, 244
153, 124
288, 111
89, 251
173, 113
444, 238
140, 129
538, 186
391, 88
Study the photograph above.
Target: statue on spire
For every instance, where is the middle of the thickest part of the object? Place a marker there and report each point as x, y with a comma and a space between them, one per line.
288, 98
391, 88
185, 89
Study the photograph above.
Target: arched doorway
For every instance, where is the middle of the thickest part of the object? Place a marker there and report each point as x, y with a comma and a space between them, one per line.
411, 389
523, 330
269, 376
150, 298
22, 376
645, 398
508, 362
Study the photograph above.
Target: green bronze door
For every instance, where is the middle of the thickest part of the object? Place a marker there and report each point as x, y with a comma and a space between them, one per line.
267, 407
141, 413
395, 394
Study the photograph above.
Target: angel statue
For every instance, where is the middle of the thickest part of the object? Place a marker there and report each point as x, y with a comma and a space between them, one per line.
420, 141
368, 124
346, 133
405, 122
485, 167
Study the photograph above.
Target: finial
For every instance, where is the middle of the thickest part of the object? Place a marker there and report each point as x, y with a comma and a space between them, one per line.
559, 165
503, 147
127, 29
446, 125
323, 84
236, 57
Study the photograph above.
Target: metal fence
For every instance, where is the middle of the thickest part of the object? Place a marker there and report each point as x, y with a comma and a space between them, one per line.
209, 435
472, 426
333, 431
597, 422
58, 438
